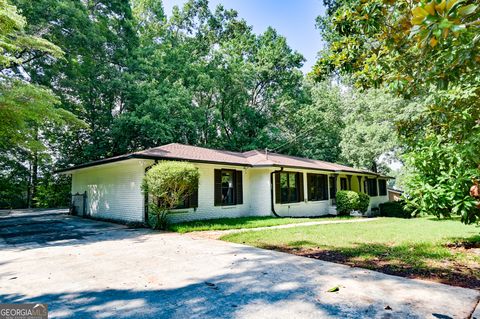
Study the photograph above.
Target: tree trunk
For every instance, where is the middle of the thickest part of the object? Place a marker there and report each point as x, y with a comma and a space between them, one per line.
29, 186
34, 178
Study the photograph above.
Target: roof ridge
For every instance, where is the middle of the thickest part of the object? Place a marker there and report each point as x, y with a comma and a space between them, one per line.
195, 146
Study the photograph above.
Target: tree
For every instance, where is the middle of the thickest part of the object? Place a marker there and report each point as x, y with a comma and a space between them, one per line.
205, 78
169, 184
21, 103
313, 128
92, 80
370, 135
427, 52
27, 110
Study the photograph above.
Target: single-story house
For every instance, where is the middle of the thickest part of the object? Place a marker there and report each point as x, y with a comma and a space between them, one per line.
232, 184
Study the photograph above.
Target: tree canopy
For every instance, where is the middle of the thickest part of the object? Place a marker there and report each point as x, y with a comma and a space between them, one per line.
29, 112
426, 52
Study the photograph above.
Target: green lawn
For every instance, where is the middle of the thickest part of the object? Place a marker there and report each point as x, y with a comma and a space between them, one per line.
243, 222
441, 250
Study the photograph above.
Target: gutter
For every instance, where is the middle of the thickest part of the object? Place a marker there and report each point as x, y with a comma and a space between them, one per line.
272, 192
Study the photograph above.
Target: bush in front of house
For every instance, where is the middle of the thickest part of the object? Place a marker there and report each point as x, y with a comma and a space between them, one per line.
347, 201
394, 209
363, 202
169, 184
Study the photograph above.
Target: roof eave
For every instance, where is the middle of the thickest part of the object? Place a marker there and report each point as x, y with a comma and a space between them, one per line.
142, 156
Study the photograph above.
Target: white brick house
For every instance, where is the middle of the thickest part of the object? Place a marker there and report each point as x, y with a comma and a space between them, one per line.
231, 184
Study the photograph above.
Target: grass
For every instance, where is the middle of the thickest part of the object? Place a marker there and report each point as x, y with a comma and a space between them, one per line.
440, 250
242, 222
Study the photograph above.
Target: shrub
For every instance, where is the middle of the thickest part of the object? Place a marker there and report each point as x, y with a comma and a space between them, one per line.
346, 202
169, 184
363, 202
394, 209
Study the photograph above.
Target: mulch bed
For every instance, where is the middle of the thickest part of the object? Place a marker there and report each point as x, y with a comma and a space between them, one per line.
448, 272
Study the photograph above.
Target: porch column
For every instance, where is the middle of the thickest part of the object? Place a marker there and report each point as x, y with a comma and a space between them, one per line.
333, 188
359, 178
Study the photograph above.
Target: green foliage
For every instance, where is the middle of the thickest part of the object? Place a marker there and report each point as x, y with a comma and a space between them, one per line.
428, 53
363, 202
416, 243
16, 46
91, 80
435, 190
13, 181
169, 183
208, 80
53, 191
314, 129
244, 222
369, 132
347, 201
395, 209
31, 118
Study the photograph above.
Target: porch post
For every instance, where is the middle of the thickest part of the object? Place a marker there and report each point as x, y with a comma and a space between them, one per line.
335, 181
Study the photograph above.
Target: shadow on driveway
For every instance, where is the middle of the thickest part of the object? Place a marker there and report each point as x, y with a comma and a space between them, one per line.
39, 228
263, 288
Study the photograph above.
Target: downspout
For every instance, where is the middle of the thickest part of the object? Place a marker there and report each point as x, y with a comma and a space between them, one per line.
272, 191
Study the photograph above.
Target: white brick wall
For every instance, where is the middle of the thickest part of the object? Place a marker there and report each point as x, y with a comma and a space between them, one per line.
259, 189
113, 190
255, 188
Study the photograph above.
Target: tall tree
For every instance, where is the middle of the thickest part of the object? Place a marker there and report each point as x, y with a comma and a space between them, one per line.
92, 78
204, 78
314, 128
27, 110
369, 138
428, 52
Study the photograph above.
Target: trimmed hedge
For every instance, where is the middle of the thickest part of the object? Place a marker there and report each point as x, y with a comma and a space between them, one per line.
347, 201
363, 202
394, 209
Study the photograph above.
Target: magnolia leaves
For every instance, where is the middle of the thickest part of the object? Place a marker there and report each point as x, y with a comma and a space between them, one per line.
435, 20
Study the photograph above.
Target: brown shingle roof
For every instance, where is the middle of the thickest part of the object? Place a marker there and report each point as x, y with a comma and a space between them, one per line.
195, 153
253, 158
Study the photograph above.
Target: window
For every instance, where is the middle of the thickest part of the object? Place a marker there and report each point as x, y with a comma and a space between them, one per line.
371, 187
228, 187
189, 202
317, 185
288, 187
343, 184
382, 186
228, 197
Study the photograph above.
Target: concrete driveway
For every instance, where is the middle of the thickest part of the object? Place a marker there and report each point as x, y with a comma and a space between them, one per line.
90, 269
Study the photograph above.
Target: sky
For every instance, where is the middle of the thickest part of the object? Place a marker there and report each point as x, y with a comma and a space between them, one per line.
294, 19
